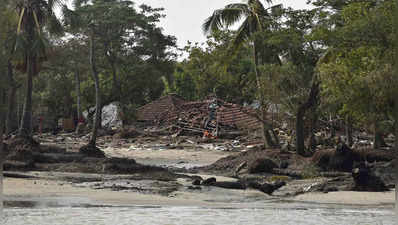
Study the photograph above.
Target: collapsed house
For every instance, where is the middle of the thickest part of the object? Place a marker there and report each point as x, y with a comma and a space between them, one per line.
211, 114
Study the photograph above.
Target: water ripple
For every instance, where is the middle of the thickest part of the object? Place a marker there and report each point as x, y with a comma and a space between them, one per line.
271, 214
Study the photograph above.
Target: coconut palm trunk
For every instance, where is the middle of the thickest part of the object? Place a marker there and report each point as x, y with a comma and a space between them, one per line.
12, 91
254, 15
2, 153
302, 109
25, 129
396, 127
116, 87
267, 139
34, 16
97, 115
2, 158
78, 107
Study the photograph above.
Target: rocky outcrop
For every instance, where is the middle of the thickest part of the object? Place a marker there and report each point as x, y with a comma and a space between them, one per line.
366, 180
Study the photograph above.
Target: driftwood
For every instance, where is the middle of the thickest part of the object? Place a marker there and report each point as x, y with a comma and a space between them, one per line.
288, 172
18, 175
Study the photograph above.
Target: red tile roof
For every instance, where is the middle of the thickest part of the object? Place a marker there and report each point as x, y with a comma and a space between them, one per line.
172, 110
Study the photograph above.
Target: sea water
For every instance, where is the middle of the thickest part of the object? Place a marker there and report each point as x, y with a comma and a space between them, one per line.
270, 213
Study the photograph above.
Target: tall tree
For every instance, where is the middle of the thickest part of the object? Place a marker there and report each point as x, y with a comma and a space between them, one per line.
120, 38
8, 22
256, 18
32, 46
83, 19
359, 72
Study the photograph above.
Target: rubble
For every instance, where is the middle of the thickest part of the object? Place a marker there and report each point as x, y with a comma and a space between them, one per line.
224, 119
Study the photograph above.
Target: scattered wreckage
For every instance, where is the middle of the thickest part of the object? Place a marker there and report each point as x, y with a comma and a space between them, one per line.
211, 117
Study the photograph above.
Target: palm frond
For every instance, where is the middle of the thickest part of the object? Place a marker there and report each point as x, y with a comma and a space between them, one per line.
40, 45
52, 5
244, 7
54, 26
20, 43
222, 18
71, 19
277, 10
20, 20
243, 33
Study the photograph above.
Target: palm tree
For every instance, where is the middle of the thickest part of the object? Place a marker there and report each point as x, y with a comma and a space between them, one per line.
255, 18
83, 20
31, 46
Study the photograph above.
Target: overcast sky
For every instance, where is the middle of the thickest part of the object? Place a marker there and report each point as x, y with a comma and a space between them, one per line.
184, 18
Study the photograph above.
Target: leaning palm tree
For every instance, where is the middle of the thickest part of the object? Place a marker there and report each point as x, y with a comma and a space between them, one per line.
255, 19
36, 22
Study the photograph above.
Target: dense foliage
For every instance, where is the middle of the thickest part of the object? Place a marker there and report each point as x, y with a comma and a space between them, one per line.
334, 61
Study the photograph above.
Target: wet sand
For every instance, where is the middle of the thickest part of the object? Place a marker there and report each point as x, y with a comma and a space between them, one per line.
24, 189
349, 198
208, 196
28, 189
185, 157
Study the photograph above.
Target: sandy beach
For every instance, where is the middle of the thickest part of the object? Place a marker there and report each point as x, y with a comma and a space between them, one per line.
23, 189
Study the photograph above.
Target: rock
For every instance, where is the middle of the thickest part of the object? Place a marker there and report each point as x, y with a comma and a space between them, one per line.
329, 189
386, 171
194, 188
230, 185
263, 165
366, 180
278, 184
209, 181
267, 188
196, 182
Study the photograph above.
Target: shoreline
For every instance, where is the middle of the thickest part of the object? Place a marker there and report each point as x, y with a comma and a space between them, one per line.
50, 191
172, 186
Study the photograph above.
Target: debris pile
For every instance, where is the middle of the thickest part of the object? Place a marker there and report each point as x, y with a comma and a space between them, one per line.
211, 115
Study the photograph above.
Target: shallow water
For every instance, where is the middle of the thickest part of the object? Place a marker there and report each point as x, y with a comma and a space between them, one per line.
23, 213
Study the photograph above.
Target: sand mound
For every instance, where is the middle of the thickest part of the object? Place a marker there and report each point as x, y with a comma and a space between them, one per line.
22, 149
342, 158
273, 158
262, 165
92, 151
